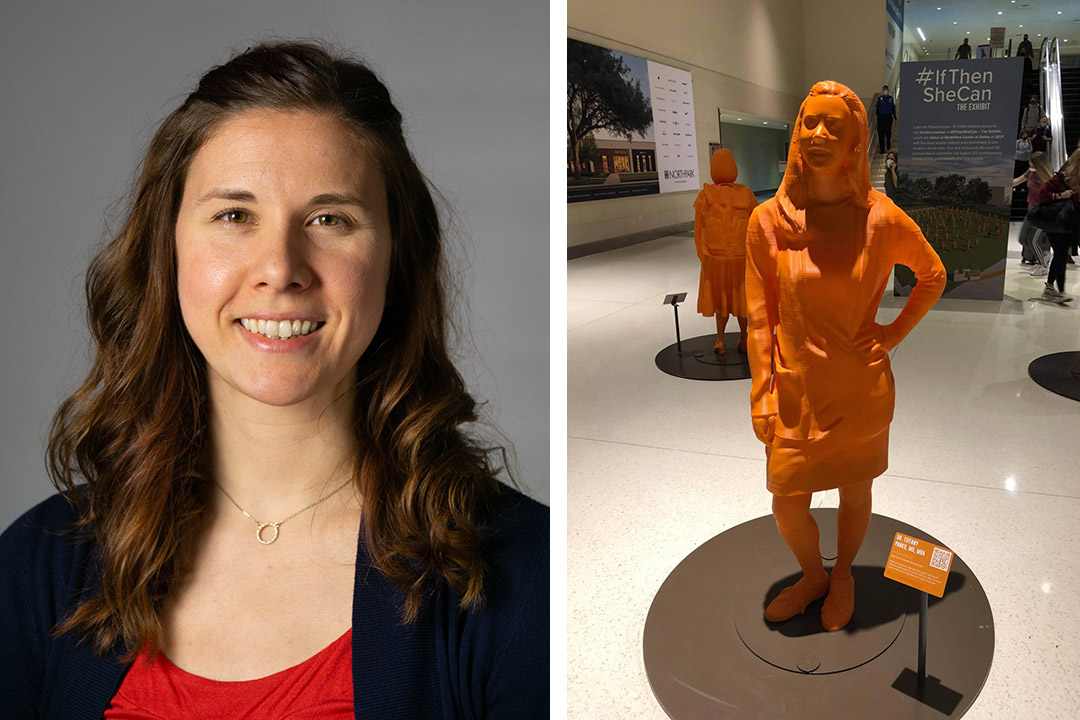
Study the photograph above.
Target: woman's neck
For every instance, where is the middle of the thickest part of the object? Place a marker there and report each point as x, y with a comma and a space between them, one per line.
275, 460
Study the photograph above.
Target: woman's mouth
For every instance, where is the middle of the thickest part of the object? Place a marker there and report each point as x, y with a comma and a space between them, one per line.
280, 329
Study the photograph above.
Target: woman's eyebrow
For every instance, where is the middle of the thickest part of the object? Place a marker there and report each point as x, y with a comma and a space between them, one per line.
227, 194
237, 195
337, 199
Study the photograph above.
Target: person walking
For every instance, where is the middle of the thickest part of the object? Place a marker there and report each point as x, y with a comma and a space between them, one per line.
891, 178
1034, 242
1041, 137
886, 112
1024, 49
1061, 186
964, 51
1029, 119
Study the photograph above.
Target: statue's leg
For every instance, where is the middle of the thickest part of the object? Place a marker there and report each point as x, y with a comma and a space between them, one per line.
852, 520
800, 532
721, 323
742, 333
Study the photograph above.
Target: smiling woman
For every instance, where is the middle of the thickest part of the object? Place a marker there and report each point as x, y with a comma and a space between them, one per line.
270, 345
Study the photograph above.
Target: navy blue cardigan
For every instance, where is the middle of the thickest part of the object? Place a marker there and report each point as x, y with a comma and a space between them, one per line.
492, 663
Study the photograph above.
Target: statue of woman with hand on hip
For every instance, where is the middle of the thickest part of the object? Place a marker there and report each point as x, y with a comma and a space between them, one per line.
819, 256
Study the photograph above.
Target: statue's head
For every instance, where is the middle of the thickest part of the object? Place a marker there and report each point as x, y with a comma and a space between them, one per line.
830, 138
723, 167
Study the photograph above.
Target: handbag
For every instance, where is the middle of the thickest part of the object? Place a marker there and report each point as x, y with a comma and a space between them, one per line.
1057, 216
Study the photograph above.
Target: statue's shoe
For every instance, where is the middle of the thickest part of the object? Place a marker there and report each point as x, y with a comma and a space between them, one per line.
838, 608
719, 348
793, 600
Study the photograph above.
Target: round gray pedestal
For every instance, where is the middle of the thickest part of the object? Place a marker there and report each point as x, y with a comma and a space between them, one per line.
709, 653
697, 361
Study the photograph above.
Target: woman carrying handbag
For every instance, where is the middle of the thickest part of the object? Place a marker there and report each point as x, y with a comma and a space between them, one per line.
1059, 220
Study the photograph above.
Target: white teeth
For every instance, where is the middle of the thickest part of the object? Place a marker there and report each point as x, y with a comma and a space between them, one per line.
279, 330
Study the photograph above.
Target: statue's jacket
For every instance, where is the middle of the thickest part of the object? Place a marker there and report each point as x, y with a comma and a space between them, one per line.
814, 279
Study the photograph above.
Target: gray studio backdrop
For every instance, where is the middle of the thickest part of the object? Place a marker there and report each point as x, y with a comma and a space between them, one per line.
84, 85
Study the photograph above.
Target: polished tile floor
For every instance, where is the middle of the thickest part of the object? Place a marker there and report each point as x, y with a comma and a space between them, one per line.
981, 457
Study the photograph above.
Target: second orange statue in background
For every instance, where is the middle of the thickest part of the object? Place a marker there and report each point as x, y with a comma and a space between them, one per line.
721, 212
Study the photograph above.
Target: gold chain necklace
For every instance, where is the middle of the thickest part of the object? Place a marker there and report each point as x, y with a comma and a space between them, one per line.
276, 525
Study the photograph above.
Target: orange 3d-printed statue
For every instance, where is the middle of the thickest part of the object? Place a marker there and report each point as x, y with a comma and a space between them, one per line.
721, 212
819, 256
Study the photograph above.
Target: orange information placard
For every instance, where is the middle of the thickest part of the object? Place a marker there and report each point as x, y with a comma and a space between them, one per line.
918, 563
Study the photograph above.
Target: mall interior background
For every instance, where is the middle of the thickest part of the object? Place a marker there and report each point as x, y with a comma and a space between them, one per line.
981, 456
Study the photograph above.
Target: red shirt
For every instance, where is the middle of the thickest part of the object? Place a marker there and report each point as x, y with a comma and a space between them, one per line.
320, 687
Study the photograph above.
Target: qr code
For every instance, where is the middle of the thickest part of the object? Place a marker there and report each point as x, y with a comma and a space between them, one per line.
941, 559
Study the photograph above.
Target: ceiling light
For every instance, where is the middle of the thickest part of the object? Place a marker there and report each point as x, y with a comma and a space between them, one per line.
1000, 13
1021, 26
919, 29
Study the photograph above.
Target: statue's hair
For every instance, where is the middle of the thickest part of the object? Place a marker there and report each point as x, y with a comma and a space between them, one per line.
135, 429
792, 195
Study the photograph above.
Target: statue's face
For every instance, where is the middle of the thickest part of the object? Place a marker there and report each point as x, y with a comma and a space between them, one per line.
828, 133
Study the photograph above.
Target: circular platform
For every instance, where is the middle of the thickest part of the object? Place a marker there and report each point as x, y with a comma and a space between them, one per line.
709, 652
697, 361
1059, 373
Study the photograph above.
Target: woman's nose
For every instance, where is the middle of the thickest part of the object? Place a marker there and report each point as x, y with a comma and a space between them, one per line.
282, 261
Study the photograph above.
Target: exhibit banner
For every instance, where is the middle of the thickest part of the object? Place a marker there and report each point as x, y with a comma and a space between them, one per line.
958, 123
630, 125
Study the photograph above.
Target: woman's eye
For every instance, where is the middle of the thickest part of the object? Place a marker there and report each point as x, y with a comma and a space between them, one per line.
233, 217
810, 122
327, 220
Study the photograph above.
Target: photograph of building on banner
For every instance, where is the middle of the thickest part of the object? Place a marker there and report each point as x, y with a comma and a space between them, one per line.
958, 124
630, 125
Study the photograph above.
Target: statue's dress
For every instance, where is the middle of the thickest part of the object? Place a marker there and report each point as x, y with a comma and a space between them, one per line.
722, 212
813, 294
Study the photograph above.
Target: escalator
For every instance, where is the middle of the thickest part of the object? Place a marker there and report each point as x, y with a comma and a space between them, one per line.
1059, 93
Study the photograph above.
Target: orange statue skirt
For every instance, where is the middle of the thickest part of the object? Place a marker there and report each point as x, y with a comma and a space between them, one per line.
721, 290
800, 467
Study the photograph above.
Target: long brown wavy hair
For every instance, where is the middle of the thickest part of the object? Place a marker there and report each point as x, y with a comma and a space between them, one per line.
791, 195
134, 430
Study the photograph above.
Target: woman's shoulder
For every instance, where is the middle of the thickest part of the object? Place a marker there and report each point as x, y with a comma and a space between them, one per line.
45, 555
517, 547
505, 639
46, 525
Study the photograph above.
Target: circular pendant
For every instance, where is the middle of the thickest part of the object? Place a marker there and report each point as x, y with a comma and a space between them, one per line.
263, 526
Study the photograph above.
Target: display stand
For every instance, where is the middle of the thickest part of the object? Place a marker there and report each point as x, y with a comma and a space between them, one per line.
1059, 373
694, 359
709, 652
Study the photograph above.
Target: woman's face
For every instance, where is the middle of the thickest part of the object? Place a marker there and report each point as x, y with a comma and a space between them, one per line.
827, 137
283, 256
